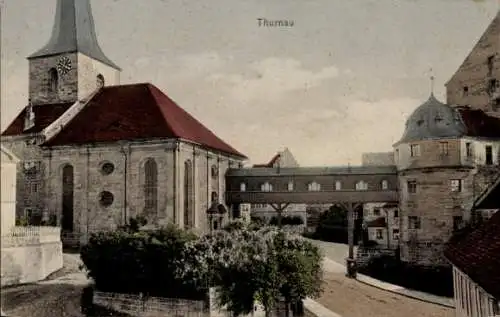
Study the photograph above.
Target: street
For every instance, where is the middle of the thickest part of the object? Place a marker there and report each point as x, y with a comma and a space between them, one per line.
60, 296
42, 300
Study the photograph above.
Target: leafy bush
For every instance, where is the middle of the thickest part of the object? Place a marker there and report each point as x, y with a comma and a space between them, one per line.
127, 261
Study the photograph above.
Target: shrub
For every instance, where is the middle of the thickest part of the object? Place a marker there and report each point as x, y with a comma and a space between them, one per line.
125, 261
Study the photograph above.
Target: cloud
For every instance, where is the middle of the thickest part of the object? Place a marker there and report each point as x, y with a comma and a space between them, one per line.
271, 78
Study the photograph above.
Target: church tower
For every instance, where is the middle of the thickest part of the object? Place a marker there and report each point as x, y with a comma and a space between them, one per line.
72, 64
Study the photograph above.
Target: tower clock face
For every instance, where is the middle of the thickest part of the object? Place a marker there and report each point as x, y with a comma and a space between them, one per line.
63, 65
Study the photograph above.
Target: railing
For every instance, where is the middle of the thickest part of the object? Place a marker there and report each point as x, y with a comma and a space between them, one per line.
19, 236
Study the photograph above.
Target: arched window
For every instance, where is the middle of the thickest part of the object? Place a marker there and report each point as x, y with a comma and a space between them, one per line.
67, 198
290, 186
53, 80
385, 185
100, 81
150, 186
314, 187
338, 185
361, 185
188, 195
243, 187
266, 187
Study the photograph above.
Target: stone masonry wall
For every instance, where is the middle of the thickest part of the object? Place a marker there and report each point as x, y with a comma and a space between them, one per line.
129, 159
29, 191
39, 80
78, 83
88, 69
469, 85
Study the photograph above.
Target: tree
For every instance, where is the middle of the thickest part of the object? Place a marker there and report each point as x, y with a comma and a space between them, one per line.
246, 265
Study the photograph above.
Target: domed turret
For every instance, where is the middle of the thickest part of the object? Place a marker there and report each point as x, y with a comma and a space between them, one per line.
433, 120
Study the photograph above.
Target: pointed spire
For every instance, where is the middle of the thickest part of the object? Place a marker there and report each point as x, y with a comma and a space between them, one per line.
74, 31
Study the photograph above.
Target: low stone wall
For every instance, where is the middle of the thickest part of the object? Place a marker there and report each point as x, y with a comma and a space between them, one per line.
365, 255
138, 306
30, 254
151, 306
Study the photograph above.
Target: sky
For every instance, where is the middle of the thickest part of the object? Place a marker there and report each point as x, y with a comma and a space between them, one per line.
340, 82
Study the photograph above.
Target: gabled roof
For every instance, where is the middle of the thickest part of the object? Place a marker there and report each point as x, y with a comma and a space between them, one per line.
135, 112
44, 116
477, 254
271, 162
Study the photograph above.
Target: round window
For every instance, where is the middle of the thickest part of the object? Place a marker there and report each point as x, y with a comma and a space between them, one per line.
107, 168
106, 199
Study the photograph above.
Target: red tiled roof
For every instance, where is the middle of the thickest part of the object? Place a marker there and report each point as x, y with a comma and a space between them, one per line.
271, 162
136, 112
479, 124
477, 254
44, 116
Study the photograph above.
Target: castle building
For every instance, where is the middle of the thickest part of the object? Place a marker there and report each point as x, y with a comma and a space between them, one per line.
476, 83
450, 153
95, 153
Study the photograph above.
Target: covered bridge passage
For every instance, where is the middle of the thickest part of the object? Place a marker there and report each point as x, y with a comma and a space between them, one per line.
345, 186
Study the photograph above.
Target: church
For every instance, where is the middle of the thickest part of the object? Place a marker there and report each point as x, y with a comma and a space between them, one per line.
91, 160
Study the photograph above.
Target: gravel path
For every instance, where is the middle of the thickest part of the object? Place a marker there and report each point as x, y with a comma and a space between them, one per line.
350, 298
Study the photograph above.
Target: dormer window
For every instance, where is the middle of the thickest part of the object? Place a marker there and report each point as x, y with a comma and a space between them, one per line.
53, 80
420, 121
439, 117
29, 120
